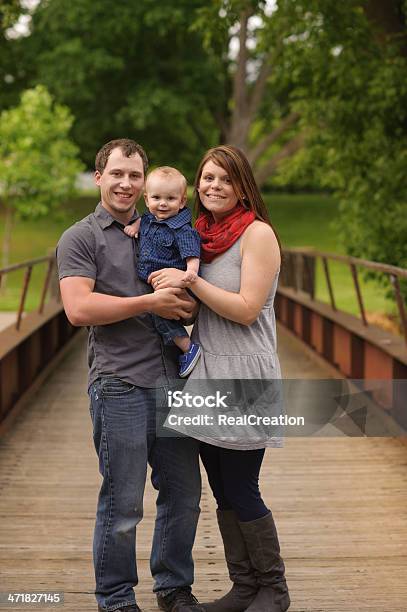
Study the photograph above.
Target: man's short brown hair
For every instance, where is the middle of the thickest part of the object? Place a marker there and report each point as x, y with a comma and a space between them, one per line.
128, 148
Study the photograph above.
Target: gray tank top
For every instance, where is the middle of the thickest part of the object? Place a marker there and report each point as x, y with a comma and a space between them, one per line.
232, 350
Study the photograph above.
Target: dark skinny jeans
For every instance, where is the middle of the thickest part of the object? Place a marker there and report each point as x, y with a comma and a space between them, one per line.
234, 479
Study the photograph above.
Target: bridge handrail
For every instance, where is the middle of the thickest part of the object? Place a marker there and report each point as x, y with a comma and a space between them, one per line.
25, 264
307, 254
28, 265
374, 265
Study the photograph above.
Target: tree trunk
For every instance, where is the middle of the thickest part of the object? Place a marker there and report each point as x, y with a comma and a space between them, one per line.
246, 102
262, 146
270, 167
240, 121
388, 21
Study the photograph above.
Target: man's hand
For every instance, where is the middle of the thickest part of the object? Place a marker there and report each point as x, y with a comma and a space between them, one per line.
194, 308
171, 303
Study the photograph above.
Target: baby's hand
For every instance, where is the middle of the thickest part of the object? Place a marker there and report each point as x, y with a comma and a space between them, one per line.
133, 229
189, 277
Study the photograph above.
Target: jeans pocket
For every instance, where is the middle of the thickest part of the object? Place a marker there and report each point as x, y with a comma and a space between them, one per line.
112, 387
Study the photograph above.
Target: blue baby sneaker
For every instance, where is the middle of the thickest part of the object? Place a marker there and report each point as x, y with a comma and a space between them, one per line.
188, 360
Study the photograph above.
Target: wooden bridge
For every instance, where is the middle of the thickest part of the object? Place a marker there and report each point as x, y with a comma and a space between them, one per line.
340, 504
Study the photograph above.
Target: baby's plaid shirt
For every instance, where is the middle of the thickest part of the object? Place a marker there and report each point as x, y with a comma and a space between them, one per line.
166, 243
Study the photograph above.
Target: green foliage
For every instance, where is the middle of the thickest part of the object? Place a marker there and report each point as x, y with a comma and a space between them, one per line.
352, 92
128, 69
258, 114
216, 18
162, 73
10, 64
9, 11
38, 161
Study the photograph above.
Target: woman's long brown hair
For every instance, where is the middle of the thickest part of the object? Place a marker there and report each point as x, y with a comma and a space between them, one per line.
236, 164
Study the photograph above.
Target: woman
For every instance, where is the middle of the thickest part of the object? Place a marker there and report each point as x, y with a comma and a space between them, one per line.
236, 330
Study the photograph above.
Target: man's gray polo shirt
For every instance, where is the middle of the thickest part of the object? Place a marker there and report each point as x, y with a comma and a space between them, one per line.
97, 248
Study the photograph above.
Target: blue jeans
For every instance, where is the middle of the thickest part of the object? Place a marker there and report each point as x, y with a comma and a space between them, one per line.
124, 432
169, 329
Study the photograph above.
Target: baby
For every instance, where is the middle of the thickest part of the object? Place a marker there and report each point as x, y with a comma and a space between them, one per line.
167, 240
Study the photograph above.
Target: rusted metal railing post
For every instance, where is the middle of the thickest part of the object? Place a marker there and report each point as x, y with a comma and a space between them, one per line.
46, 285
328, 282
294, 271
54, 292
358, 293
23, 296
298, 272
400, 303
309, 274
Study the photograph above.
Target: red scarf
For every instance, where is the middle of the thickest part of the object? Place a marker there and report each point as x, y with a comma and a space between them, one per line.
218, 237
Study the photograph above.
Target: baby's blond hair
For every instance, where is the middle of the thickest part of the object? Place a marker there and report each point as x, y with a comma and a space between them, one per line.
169, 172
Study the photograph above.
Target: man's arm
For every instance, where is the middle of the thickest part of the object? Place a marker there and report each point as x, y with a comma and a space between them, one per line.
83, 306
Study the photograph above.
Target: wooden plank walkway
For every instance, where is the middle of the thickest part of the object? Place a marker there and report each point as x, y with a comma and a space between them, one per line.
340, 505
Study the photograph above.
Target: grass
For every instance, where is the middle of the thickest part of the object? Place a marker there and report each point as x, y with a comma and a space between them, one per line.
302, 220
32, 239
306, 220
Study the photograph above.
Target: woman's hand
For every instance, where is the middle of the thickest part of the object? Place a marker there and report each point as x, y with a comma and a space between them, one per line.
167, 277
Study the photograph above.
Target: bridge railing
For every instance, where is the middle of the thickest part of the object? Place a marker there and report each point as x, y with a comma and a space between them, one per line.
28, 267
356, 349
299, 273
33, 344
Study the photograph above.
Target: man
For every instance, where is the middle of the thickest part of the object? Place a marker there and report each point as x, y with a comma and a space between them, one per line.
100, 289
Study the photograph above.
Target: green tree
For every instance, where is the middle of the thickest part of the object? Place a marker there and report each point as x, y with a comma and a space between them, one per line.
247, 42
38, 161
130, 69
9, 11
315, 89
349, 66
167, 76
331, 76
10, 57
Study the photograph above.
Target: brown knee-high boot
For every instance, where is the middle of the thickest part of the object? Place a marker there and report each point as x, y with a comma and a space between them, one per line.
264, 552
241, 573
